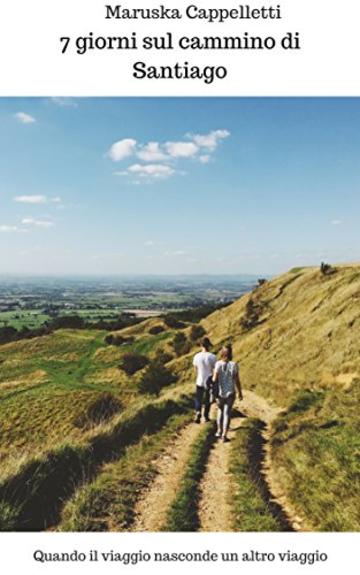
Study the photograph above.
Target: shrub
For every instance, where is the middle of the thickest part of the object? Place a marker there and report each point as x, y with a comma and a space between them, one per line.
133, 362
180, 344
173, 323
112, 339
155, 377
251, 317
7, 334
156, 329
197, 332
163, 356
326, 269
100, 410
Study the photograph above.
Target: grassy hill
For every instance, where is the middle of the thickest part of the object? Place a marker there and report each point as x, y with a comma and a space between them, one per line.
297, 339
68, 408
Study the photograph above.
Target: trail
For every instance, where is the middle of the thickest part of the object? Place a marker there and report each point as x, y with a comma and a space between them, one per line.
257, 406
152, 507
215, 510
216, 485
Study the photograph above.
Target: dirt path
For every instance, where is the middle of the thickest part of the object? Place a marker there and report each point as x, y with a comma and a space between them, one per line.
256, 406
216, 485
152, 507
268, 471
215, 510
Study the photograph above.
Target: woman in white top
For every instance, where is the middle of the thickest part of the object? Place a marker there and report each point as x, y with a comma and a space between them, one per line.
226, 374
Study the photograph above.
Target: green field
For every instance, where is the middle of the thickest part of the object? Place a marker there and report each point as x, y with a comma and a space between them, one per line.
25, 318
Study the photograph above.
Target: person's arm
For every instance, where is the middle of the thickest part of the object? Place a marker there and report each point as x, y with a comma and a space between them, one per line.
238, 383
215, 374
195, 364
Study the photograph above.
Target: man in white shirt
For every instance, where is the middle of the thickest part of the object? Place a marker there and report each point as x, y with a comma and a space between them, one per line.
204, 363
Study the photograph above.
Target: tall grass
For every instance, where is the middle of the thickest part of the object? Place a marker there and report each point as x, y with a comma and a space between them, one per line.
108, 502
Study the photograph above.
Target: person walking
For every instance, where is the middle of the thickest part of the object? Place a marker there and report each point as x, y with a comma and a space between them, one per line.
204, 363
226, 375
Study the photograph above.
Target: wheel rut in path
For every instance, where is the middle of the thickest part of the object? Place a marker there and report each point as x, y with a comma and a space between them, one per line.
257, 406
152, 507
216, 485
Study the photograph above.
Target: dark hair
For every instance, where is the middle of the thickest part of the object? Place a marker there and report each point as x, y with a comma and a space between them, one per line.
226, 352
206, 343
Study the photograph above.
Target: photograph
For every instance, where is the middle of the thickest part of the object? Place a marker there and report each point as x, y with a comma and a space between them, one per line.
179, 314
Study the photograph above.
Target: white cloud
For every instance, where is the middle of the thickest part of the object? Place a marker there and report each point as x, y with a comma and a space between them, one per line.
122, 149
211, 140
151, 170
152, 152
336, 222
36, 199
37, 223
149, 243
6, 228
181, 149
158, 159
25, 118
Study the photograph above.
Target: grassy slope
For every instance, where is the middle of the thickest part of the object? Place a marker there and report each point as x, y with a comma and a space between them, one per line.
107, 503
46, 383
307, 338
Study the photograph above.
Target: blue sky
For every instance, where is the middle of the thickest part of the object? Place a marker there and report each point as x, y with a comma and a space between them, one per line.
177, 185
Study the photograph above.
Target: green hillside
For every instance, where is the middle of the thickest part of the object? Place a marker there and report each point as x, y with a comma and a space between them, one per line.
297, 339
75, 424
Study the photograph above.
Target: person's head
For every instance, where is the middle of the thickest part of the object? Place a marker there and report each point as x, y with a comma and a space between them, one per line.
226, 352
205, 343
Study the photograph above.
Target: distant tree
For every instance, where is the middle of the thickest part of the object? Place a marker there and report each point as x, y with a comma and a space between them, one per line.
197, 332
133, 362
261, 281
114, 339
156, 329
8, 334
326, 269
173, 323
68, 322
155, 377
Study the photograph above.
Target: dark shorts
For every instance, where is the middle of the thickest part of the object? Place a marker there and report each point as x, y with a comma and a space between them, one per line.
222, 401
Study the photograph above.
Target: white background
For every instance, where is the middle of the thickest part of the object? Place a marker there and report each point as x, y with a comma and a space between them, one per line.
17, 552
32, 63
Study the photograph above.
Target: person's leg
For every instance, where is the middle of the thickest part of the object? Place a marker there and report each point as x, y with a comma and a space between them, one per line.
228, 403
206, 404
198, 402
220, 417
